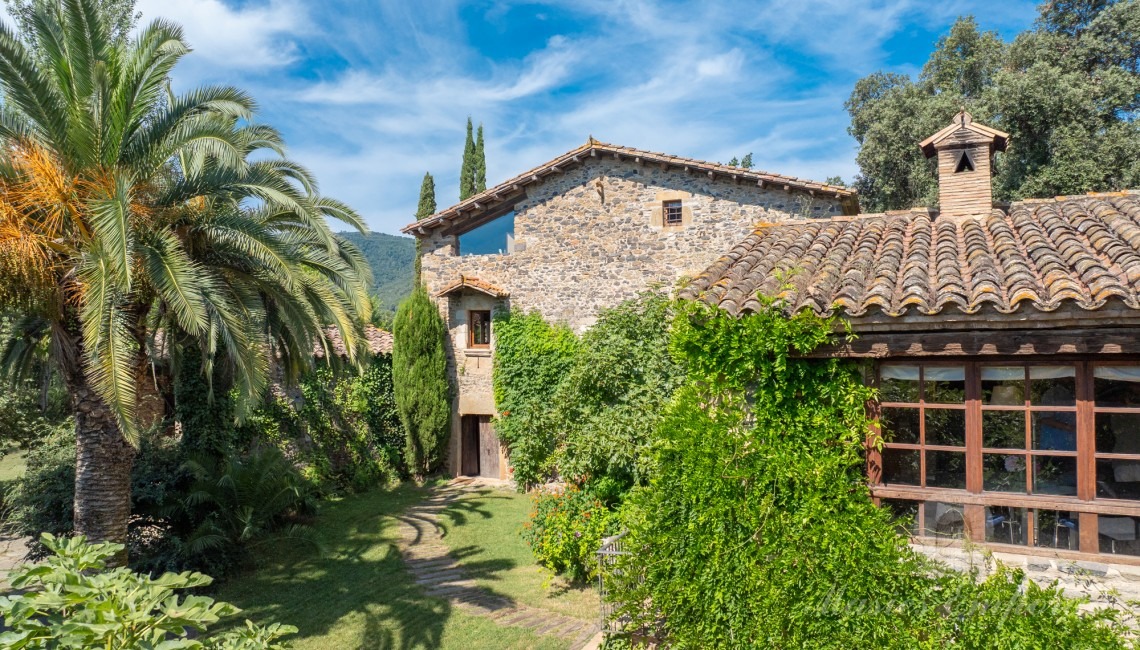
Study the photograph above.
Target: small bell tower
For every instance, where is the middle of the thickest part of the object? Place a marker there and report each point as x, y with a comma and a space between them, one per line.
965, 151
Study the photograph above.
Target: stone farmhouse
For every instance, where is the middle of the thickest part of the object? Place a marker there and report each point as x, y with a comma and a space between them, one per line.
1004, 339
582, 232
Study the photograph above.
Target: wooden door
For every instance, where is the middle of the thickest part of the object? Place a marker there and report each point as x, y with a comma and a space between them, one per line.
488, 448
469, 445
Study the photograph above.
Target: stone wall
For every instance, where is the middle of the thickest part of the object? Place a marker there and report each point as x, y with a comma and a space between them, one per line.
575, 254
1102, 583
578, 250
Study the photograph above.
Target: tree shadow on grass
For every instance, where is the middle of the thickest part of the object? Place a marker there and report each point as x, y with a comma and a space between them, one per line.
361, 593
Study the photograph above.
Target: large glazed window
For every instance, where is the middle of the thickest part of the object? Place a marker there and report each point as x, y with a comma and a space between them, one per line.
494, 237
1037, 454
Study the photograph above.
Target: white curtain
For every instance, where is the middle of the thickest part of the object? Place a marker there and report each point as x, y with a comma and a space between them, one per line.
1117, 373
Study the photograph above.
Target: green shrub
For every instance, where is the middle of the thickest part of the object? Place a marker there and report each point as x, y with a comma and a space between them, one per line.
239, 503
355, 438
757, 530
74, 601
613, 396
532, 358
566, 529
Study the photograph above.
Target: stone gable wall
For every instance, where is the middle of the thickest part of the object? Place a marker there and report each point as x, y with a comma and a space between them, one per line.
575, 254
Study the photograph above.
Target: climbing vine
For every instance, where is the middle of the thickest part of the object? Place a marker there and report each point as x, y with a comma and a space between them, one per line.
757, 530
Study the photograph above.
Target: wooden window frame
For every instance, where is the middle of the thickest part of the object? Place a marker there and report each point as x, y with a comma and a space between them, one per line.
974, 499
673, 212
471, 329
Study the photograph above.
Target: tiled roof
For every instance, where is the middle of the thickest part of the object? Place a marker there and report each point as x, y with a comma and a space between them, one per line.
1083, 250
379, 342
480, 203
466, 282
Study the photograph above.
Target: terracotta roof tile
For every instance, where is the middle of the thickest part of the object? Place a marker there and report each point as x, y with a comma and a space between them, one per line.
467, 282
1083, 249
379, 342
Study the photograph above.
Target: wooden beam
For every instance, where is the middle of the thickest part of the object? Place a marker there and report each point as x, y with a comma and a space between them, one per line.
787, 188
534, 178
712, 175
593, 153
637, 159
1044, 502
477, 205
989, 343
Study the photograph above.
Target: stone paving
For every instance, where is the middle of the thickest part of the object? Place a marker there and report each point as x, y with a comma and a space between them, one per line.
428, 558
12, 552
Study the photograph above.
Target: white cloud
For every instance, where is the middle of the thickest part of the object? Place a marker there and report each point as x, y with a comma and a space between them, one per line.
251, 37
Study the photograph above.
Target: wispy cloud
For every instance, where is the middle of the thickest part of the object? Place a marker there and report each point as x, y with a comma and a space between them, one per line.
371, 95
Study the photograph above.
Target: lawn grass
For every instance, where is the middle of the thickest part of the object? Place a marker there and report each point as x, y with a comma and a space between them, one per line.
12, 465
483, 530
359, 595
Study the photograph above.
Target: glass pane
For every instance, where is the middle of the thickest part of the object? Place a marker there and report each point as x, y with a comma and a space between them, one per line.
901, 466
1055, 475
1006, 525
1054, 430
1003, 429
945, 469
898, 383
1053, 385
1118, 433
1003, 385
900, 425
1118, 534
943, 519
1118, 479
905, 513
1003, 473
1116, 385
945, 384
494, 237
1057, 529
946, 427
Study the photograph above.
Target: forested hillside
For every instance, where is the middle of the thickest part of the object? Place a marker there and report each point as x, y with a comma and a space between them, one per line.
393, 264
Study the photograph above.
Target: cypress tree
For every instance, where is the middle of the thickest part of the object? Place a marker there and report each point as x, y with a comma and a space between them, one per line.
427, 198
425, 209
480, 164
419, 378
467, 171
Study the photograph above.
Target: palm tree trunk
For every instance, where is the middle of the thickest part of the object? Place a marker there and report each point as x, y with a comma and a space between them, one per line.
103, 460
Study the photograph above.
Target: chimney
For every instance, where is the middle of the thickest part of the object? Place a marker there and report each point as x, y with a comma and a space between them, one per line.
965, 153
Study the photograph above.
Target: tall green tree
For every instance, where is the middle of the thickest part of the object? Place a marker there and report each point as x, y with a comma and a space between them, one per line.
1067, 91
467, 169
125, 211
420, 383
425, 209
480, 163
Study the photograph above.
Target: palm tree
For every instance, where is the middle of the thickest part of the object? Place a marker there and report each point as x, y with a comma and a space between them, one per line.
124, 209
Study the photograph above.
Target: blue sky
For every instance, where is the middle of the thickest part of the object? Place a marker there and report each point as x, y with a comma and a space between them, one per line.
372, 94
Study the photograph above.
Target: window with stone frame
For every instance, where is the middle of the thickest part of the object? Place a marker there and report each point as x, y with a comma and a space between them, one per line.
1042, 454
672, 213
478, 328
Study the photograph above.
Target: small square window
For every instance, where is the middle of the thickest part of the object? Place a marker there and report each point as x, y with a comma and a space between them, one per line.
478, 329
672, 213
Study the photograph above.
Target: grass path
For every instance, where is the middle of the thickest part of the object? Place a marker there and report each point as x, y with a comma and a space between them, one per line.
360, 593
